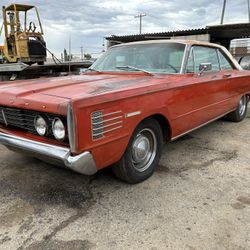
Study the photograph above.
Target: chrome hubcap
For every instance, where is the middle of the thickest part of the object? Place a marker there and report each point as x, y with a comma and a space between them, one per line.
141, 148
144, 150
242, 106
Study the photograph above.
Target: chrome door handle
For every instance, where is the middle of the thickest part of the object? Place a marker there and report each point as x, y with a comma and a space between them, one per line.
227, 75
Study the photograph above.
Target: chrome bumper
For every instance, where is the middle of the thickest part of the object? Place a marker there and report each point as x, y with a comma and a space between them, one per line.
82, 163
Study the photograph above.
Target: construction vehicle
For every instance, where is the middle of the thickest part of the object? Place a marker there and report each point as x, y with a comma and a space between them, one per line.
23, 40
1, 54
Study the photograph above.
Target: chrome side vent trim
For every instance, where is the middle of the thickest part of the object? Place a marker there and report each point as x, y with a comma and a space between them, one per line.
71, 128
103, 123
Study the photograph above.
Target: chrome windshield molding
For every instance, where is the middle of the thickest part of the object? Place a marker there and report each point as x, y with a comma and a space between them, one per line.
184, 59
71, 128
187, 52
61, 156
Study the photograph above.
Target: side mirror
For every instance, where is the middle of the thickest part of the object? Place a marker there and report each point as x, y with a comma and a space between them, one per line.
205, 67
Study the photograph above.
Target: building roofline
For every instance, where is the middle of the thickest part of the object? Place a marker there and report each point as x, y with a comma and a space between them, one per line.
225, 31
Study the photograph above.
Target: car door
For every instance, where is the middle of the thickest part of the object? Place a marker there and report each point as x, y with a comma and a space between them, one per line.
237, 80
203, 96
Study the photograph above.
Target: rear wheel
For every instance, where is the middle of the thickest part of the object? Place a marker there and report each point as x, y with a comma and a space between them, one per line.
240, 113
142, 154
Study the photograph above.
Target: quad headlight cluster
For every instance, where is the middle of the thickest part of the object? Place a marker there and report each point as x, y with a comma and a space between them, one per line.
58, 129
41, 125
44, 127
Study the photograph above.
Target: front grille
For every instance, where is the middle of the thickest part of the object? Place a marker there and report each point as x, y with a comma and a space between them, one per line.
18, 118
103, 123
24, 119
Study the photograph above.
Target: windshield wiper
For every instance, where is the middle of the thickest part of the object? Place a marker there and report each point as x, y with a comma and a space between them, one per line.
133, 68
90, 69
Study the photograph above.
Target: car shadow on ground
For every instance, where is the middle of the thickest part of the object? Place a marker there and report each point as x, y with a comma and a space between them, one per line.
40, 183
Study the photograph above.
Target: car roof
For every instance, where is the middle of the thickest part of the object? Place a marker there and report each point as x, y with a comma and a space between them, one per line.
185, 42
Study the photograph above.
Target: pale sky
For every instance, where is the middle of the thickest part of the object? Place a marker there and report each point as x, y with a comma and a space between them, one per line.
89, 21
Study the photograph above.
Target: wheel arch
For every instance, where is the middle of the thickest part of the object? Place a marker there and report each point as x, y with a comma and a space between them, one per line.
248, 96
164, 124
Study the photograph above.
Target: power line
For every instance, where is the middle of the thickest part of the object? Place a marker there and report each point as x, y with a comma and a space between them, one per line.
141, 15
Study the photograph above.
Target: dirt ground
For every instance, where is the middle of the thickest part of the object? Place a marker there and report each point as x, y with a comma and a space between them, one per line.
199, 198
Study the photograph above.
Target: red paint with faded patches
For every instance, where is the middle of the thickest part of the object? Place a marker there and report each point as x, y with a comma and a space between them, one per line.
186, 101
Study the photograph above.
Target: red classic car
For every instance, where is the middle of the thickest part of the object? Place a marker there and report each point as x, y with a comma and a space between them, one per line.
130, 101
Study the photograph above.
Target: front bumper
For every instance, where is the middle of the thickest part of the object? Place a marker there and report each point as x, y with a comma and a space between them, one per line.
82, 163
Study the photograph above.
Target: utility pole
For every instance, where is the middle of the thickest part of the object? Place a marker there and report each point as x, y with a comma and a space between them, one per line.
141, 15
223, 11
69, 54
248, 2
81, 53
224, 8
1, 29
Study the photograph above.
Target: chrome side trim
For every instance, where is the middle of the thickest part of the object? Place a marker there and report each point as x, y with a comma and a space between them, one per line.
107, 120
82, 163
133, 114
107, 131
108, 114
71, 128
200, 126
109, 125
102, 123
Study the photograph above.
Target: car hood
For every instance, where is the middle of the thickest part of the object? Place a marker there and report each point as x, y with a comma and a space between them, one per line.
71, 87
59, 90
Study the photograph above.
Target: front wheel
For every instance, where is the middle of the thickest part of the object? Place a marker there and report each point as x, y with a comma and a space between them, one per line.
142, 154
240, 113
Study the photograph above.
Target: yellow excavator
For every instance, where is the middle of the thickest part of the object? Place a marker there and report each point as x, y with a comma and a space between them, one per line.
23, 35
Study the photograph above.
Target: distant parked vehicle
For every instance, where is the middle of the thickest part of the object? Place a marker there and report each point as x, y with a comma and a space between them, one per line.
240, 49
119, 112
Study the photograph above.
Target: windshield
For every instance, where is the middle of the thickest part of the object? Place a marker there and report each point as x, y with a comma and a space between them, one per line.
153, 58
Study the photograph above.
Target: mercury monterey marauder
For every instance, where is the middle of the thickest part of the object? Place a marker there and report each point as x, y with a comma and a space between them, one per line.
119, 113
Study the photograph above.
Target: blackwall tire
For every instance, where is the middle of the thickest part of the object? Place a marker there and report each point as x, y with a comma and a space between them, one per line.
240, 113
142, 154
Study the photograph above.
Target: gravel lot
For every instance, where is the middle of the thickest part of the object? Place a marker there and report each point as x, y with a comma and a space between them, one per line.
199, 198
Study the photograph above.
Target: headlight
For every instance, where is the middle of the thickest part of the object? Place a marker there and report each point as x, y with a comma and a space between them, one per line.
40, 125
58, 129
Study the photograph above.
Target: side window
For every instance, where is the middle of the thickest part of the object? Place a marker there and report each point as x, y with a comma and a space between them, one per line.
224, 63
205, 55
190, 63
